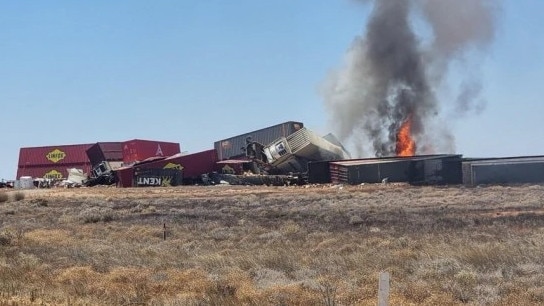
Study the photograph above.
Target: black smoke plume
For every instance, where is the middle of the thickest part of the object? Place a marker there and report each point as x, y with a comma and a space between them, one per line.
392, 74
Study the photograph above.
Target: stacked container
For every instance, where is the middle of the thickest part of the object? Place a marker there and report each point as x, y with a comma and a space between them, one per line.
234, 147
138, 150
52, 162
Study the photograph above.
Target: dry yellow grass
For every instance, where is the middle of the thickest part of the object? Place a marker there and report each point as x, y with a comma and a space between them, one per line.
313, 245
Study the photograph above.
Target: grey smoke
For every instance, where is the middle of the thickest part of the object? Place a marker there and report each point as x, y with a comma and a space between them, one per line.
392, 73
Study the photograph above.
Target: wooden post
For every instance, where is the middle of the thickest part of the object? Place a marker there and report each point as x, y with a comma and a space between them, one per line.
383, 289
164, 232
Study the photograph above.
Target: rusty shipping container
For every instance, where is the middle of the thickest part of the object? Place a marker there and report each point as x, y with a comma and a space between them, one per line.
105, 151
193, 165
138, 149
51, 172
54, 155
233, 147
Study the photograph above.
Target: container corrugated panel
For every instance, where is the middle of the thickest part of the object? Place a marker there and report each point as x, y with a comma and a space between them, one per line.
319, 172
433, 169
233, 147
518, 173
138, 149
452, 170
51, 172
193, 165
54, 155
364, 172
105, 151
467, 174
436, 170
307, 144
518, 170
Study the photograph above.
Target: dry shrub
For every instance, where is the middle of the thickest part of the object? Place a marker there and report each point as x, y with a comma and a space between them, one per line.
266, 278
19, 196
234, 288
326, 245
79, 281
536, 295
139, 233
40, 202
280, 258
417, 292
6, 238
97, 214
195, 282
294, 294
290, 228
328, 291
463, 286
488, 256
127, 286
50, 237
3, 197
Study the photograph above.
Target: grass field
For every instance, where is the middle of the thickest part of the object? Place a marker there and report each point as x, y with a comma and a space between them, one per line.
313, 245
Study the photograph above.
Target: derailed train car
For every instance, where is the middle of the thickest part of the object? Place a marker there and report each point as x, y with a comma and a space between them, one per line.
505, 170
182, 169
417, 170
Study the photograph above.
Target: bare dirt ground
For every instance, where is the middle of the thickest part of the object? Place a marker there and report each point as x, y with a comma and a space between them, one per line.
309, 245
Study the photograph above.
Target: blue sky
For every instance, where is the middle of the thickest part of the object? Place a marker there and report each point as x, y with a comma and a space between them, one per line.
195, 72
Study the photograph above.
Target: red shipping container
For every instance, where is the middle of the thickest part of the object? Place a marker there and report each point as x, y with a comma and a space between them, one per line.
138, 150
54, 155
192, 165
125, 177
51, 172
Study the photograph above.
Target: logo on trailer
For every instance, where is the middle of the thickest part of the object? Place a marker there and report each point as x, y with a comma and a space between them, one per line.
173, 166
53, 175
55, 155
159, 151
164, 181
226, 144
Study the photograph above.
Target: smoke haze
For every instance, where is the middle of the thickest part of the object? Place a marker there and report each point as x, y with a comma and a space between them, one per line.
392, 75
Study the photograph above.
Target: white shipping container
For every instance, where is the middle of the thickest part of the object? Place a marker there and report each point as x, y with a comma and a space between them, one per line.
26, 182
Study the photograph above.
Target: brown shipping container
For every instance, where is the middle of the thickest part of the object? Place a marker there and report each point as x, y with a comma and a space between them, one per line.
51, 172
105, 151
232, 147
54, 155
192, 165
138, 150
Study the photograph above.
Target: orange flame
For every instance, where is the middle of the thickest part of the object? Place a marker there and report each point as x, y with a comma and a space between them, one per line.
406, 146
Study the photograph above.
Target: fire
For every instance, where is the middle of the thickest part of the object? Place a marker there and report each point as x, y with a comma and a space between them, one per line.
406, 146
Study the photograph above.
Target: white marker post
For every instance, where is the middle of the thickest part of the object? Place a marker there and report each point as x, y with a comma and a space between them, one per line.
383, 289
